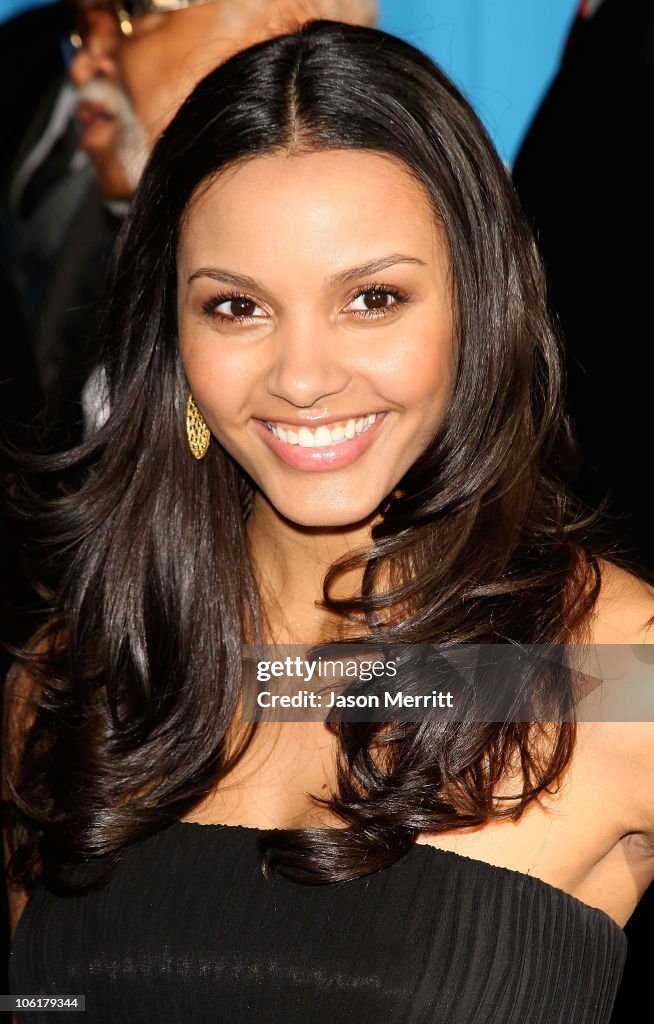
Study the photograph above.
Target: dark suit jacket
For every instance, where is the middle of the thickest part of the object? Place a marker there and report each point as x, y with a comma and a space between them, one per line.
584, 175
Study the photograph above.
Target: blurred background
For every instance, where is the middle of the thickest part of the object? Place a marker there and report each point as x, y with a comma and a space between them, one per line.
501, 53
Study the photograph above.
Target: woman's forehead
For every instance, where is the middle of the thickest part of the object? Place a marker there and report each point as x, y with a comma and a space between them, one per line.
321, 202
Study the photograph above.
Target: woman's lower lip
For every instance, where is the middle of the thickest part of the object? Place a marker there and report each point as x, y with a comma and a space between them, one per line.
333, 456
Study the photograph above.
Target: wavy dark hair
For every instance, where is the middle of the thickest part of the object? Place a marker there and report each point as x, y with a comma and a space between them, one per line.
152, 591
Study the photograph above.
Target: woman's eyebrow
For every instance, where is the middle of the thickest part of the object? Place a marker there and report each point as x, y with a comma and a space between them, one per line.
372, 267
226, 276
343, 277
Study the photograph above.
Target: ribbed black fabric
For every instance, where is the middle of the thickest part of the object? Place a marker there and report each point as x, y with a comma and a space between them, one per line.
188, 931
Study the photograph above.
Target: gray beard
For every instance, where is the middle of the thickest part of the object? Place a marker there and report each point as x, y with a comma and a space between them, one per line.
132, 146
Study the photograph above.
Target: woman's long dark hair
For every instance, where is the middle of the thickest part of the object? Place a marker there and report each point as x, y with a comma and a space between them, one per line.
140, 672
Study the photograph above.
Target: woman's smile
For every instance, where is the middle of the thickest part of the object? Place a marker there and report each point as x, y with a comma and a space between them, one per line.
327, 446
311, 436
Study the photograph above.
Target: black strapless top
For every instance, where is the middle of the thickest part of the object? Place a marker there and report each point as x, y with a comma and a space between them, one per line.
188, 931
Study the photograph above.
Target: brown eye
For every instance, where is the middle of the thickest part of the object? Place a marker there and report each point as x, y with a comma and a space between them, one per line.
233, 308
376, 299
242, 307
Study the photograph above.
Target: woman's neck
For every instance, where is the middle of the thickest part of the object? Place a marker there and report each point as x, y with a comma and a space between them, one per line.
290, 563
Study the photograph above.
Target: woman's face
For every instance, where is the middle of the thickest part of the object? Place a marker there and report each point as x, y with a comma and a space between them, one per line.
316, 327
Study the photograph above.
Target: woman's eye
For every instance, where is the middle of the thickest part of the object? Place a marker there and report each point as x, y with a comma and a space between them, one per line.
233, 307
374, 302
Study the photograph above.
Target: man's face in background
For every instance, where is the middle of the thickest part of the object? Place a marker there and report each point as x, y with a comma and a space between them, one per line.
101, 103
131, 83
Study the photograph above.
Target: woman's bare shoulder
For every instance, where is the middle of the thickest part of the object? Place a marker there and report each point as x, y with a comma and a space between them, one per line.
624, 611
618, 713
20, 693
22, 687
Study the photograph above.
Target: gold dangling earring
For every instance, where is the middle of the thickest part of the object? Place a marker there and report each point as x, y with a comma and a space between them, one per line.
197, 431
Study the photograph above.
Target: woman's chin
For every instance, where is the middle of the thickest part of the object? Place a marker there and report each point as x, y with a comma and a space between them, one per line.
326, 515
331, 520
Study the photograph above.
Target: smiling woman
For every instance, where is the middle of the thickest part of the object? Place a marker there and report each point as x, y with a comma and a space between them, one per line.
327, 291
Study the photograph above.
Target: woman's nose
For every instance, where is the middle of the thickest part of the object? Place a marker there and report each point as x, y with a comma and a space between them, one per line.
308, 366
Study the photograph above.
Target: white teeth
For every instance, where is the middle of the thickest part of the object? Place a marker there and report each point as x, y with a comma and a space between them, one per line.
323, 435
305, 438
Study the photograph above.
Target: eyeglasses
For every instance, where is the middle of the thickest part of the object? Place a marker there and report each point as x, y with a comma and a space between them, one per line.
125, 11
